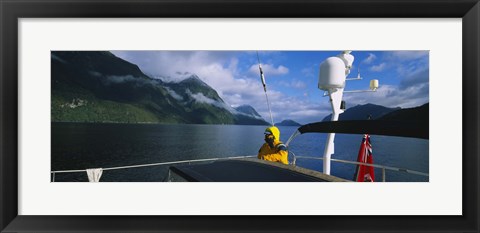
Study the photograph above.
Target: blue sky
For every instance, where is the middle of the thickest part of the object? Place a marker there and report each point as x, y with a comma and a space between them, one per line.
292, 78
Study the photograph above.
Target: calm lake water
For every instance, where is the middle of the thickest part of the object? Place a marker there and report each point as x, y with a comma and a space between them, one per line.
88, 145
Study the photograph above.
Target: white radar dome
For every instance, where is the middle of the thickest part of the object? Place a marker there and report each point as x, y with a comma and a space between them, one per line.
332, 74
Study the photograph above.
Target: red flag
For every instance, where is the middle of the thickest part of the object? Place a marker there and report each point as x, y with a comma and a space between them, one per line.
365, 173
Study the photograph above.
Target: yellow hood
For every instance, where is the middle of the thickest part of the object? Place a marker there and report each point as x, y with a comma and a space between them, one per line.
274, 131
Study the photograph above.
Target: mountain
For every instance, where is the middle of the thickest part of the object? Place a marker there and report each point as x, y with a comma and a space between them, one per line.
201, 103
198, 96
92, 86
99, 87
288, 123
248, 110
361, 112
247, 115
418, 114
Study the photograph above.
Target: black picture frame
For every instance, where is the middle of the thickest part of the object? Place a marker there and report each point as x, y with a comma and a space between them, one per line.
11, 11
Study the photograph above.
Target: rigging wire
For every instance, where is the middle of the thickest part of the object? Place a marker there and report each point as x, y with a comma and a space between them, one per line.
262, 77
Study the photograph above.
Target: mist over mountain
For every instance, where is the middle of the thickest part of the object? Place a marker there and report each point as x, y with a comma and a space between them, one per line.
248, 110
92, 86
246, 114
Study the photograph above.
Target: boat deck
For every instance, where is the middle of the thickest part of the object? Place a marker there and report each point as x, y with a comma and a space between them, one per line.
247, 170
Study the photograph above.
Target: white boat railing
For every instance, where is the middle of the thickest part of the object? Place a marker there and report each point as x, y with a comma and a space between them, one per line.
152, 164
384, 168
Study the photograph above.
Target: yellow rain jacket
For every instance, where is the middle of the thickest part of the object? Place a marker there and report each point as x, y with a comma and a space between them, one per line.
278, 153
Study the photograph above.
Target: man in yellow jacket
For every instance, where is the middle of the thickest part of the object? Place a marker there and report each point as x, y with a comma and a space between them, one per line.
273, 149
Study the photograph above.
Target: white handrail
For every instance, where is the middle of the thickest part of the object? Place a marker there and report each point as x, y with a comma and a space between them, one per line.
249, 156
156, 164
368, 164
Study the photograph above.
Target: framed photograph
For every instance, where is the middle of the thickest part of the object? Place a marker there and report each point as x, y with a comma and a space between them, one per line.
105, 106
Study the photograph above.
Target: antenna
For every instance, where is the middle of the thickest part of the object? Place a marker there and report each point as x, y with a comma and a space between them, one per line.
358, 75
332, 80
373, 87
373, 84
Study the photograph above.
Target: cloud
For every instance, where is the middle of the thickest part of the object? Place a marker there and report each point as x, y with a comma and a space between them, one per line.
269, 70
175, 63
371, 57
95, 73
412, 74
378, 68
221, 71
55, 57
412, 89
218, 69
121, 79
118, 79
417, 77
297, 84
308, 113
200, 98
310, 71
391, 96
174, 94
299, 109
407, 55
